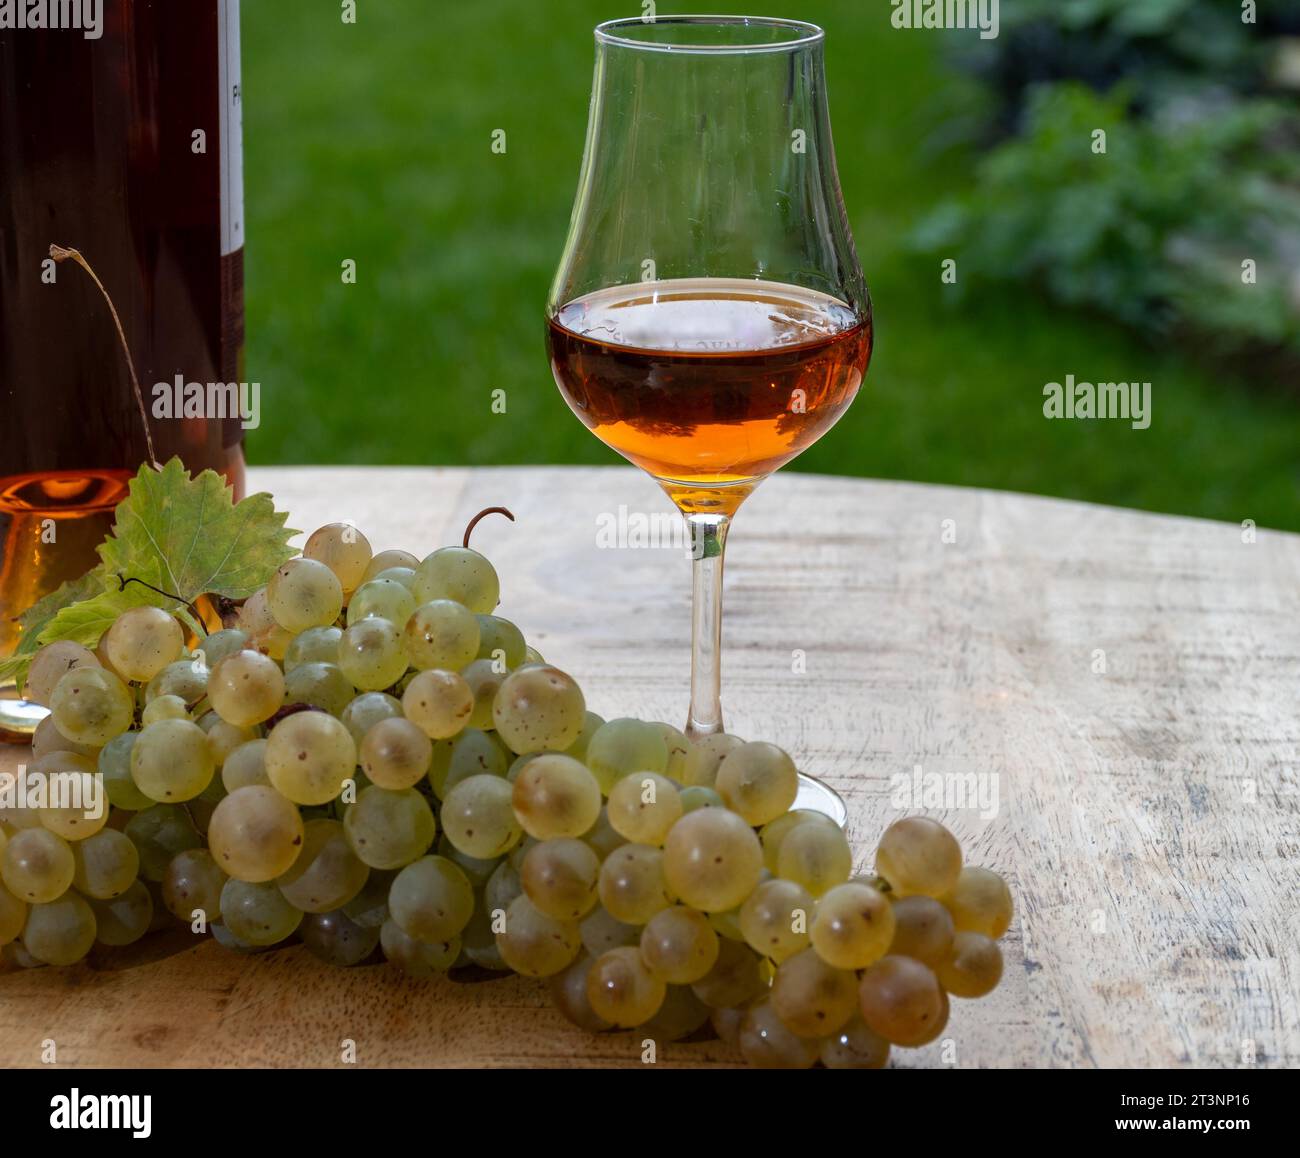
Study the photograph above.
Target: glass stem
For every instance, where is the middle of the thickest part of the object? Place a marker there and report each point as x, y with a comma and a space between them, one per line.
708, 539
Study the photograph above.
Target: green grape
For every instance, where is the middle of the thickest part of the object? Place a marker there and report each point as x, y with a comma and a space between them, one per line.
516, 855
478, 819
344, 550
77, 806
47, 738
736, 977
390, 560
767, 1043
389, 829
712, 860
560, 877
569, 993
727, 1022
192, 884
500, 641
104, 865
186, 679
622, 990
16, 813
159, 833
632, 886
382, 598
164, 708
472, 753
319, 685
972, 967
479, 941
403, 575
461, 574
245, 765
700, 766
370, 654
395, 754
16, 955
816, 856
219, 644
643, 806
417, 958
308, 756
980, 902
439, 702
302, 594
854, 1047
811, 997
680, 1015
600, 932
773, 833
532, 655
727, 924
223, 737
246, 688
478, 869
327, 873
431, 899
620, 747
143, 641
255, 835
534, 944
590, 723
91, 705
555, 796
13, 915
38, 866
919, 855
50, 664
923, 929
61, 931
502, 887
115, 767
678, 748
124, 919
315, 645
679, 945
602, 837
369, 908
757, 781
538, 709
227, 940
775, 917
257, 912
336, 939
440, 634
483, 681
172, 761
901, 1001
697, 796
854, 926
366, 710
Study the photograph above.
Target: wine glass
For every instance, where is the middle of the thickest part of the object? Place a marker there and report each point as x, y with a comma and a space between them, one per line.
709, 319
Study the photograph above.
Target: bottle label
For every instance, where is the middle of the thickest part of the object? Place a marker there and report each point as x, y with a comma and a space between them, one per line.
232, 209
232, 128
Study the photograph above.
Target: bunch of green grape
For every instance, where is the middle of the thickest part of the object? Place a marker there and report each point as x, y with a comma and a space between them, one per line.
371, 761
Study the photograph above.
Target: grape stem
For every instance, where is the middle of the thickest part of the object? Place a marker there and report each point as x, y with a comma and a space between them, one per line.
60, 254
485, 511
123, 580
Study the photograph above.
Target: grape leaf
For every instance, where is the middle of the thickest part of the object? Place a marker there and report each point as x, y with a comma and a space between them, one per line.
37, 618
188, 537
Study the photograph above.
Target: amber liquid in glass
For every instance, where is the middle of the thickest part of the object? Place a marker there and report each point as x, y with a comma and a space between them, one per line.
710, 384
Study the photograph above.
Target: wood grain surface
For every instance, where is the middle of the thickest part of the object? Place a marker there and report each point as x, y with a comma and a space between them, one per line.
1126, 683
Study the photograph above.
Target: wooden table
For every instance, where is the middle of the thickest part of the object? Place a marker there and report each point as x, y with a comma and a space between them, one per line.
1127, 682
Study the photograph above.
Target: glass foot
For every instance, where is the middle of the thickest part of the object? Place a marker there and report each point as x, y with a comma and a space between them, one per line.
18, 717
817, 796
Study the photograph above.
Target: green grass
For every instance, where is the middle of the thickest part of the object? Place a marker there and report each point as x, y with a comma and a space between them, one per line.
372, 142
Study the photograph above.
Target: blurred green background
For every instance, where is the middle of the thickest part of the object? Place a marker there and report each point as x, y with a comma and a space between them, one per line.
372, 142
